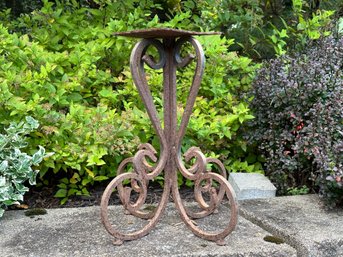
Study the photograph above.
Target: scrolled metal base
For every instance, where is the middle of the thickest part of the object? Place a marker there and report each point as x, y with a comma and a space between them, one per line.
204, 181
147, 166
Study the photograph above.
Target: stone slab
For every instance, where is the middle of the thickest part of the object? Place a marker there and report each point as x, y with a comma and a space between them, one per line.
78, 232
251, 186
301, 221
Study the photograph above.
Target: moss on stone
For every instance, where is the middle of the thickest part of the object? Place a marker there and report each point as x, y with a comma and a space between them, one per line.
273, 239
35, 211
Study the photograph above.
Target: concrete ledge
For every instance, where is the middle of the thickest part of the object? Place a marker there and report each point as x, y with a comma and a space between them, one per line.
301, 221
78, 232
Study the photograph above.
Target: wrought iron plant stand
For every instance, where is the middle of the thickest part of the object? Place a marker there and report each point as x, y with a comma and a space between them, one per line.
168, 43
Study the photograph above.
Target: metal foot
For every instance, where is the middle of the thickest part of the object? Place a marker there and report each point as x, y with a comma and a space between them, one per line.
117, 242
221, 242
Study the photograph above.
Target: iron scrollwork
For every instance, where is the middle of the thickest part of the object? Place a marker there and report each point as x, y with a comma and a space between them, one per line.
146, 163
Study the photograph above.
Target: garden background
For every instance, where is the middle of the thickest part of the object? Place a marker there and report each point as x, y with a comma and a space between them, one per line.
270, 100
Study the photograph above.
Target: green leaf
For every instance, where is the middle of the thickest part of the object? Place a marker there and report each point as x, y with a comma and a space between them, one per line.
2, 181
3, 141
231, 118
75, 178
74, 97
31, 123
32, 177
250, 168
106, 92
61, 193
227, 133
85, 191
38, 156
64, 181
314, 34
283, 33
340, 26
249, 117
85, 181
100, 178
63, 186
244, 147
64, 78
90, 173
189, 183
274, 39
301, 26
3, 166
72, 191
64, 200
95, 160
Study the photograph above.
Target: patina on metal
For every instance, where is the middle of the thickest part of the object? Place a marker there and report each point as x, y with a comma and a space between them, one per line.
168, 43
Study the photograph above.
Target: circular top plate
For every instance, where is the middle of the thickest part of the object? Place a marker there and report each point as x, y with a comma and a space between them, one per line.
163, 33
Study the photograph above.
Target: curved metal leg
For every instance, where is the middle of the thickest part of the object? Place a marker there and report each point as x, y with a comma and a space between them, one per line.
153, 216
204, 182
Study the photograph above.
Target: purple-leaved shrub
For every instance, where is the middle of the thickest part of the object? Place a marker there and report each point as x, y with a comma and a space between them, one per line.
298, 126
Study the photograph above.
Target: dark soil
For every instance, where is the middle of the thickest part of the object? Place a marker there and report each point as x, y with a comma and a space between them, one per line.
44, 197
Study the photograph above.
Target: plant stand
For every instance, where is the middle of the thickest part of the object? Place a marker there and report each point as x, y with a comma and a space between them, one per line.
168, 43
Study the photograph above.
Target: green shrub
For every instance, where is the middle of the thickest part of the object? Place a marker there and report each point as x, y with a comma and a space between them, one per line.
64, 68
263, 29
15, 165
72, 99
298, 126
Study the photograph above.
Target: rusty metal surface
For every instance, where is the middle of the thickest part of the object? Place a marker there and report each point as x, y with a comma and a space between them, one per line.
163, 33
169, 160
